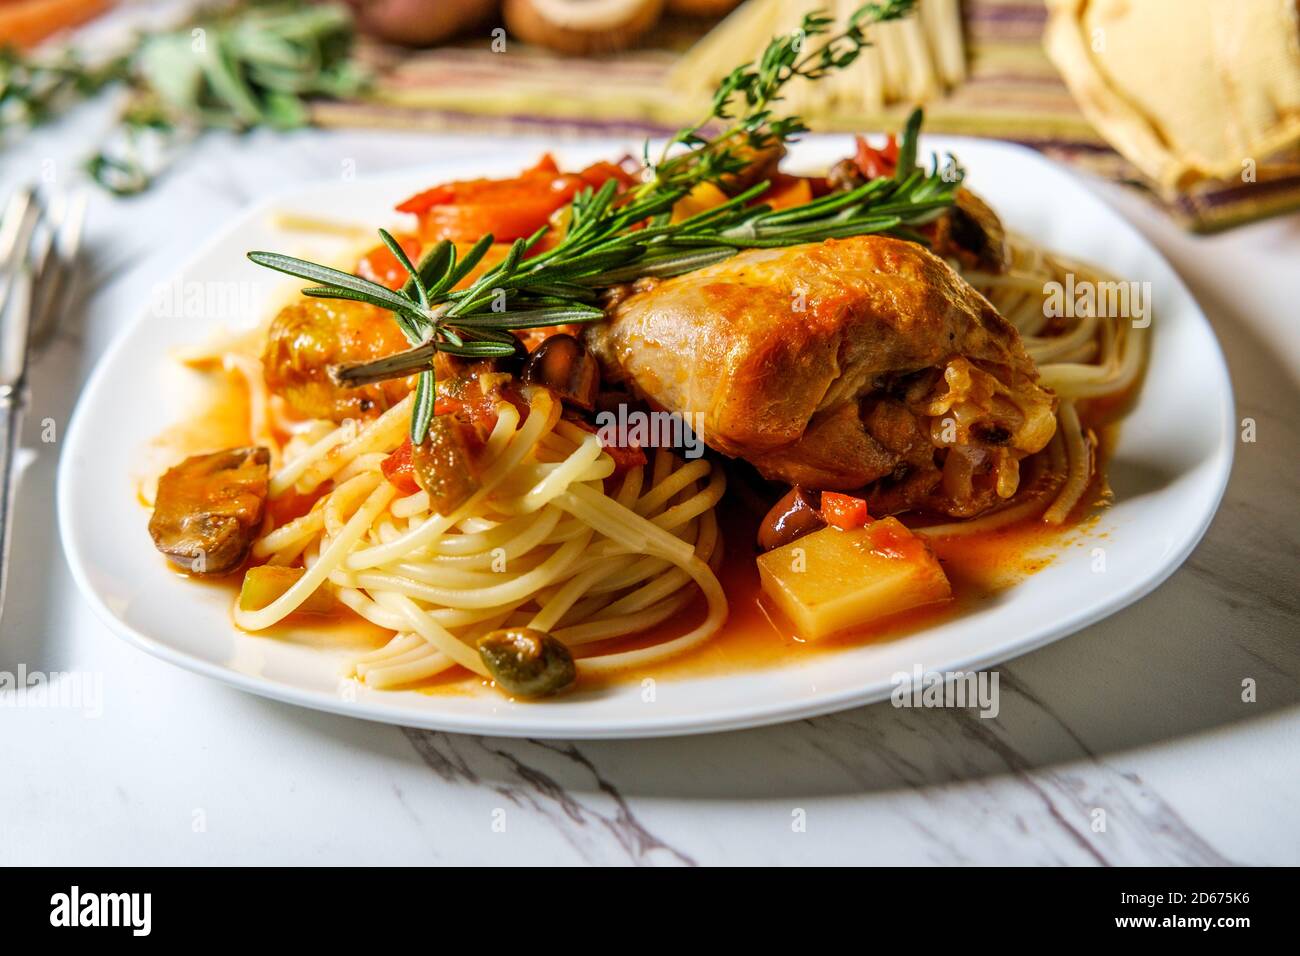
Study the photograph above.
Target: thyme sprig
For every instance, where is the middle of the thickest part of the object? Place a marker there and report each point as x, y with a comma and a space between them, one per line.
746, 96
611, 238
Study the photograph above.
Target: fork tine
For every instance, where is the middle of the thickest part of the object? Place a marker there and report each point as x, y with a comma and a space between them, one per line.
19, 218
14, 327
56, 276
16, 228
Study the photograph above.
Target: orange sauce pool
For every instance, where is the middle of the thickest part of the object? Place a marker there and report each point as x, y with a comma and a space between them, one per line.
755, 635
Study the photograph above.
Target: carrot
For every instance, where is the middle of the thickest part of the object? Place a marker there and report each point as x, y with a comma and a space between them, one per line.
844, 511
28, 22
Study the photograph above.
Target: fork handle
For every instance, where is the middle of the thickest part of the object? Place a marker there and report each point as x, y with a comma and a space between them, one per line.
11, 410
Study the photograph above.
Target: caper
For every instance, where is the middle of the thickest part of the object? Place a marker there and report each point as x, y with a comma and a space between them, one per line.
527, 662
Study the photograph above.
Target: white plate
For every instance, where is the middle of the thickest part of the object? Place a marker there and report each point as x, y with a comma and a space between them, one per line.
1169, 471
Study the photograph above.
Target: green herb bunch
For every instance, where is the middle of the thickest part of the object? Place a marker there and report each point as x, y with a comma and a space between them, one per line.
746, 97
248, 65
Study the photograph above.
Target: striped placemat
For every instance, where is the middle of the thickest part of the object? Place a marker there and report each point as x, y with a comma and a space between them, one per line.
1013, 92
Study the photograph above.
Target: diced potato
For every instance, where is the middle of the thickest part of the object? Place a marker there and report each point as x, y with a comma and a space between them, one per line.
831, 579
266, 583
703, 197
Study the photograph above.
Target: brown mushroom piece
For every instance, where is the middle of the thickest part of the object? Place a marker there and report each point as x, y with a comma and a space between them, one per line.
845, 176
797, 513
209, 509
445, 463
419, 23
971, 232
527, 662
563, 365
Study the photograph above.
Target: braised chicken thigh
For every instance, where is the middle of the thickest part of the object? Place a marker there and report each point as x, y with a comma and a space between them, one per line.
840, 365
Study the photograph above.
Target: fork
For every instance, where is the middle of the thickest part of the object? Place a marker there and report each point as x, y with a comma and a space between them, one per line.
38, 246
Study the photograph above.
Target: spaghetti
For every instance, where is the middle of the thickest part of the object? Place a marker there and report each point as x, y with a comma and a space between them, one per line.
540, 544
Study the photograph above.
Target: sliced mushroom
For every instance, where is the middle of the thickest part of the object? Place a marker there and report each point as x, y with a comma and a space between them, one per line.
566, 368
581, 26
210, 507
798, 513
527, 662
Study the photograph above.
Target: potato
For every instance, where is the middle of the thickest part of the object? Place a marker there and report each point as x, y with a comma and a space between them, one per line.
831, 579
702, 198
265, 583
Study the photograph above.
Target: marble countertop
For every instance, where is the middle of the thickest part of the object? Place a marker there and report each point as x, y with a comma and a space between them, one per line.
1140, 716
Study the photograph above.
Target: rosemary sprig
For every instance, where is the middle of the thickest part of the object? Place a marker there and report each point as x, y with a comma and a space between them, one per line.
613, 239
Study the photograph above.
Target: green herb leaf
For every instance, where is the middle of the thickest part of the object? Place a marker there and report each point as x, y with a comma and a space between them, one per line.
426, 395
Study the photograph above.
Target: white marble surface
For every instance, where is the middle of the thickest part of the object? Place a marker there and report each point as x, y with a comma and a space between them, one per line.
1140, 716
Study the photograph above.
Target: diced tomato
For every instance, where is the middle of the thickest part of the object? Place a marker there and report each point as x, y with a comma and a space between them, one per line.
284, 508
597, 174
509, 209
380, 265
844, 511
397, 468
891, 539
470, 404
872, 162
442, 405
626, 457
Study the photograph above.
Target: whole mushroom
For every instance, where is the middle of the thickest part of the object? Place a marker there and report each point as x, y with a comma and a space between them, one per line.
420, 22
582, 26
